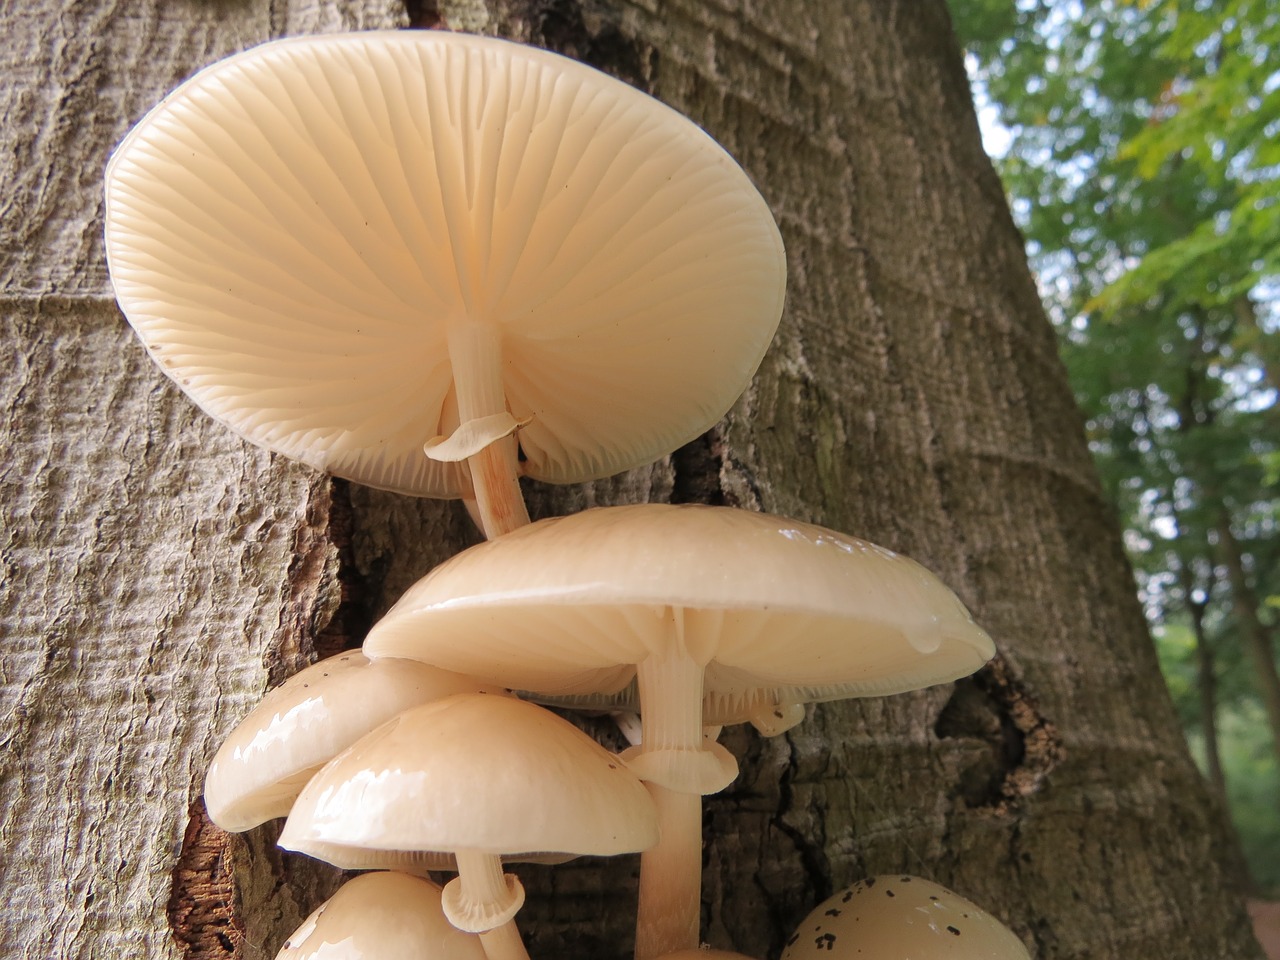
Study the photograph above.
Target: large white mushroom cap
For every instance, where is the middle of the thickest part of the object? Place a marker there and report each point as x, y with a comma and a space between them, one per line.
568, 605
304, 233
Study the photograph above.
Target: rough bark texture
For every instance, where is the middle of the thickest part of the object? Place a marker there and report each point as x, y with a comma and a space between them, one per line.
155, 572
158, 574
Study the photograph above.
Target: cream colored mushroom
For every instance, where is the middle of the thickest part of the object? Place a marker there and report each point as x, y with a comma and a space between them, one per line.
381, 916
306, 721
902, 918
480, 777
351, 247
767, 710
684, 598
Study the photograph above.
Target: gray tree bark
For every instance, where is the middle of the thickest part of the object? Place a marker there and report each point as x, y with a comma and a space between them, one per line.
159, 575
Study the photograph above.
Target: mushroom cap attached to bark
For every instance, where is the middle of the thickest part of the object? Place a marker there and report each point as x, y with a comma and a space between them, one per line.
381, 916
902, 918
306, 721
304, 234
472, 773
568, 605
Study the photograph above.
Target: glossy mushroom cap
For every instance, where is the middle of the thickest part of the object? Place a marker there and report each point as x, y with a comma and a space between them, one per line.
381, 916
568, 605
309, 719
902, 918
476, 773
317, 239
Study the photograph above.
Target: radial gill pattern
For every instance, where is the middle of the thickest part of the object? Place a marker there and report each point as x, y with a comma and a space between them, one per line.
294, 231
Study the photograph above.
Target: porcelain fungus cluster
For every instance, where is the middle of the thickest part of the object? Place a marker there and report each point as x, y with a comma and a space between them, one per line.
438, 263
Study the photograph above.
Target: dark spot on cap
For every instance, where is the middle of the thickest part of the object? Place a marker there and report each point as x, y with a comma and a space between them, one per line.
905, 879
792, 939
833, 912
951, 929
889, 893
848, 895
826, 942
870, 882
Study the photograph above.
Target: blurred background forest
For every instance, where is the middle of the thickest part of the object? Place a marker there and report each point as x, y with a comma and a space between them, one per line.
1139, 144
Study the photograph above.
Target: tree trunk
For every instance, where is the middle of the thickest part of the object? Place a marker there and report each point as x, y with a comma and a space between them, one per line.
1253, 634
159, 574
1206, 688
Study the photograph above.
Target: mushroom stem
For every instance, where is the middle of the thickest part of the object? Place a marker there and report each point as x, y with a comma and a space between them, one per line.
671, 730
475, 352
504, 943
483, 894
671, 877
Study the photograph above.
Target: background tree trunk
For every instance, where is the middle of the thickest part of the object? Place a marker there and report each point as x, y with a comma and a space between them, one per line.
158, 574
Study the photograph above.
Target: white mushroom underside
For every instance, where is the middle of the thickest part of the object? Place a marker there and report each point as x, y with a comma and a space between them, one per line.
292, 250
593, 649
568, 606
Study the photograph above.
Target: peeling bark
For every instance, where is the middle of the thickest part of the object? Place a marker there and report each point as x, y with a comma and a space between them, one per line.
202, 909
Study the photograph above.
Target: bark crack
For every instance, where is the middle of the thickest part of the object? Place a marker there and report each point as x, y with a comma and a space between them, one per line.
695, 471
201, 908
1022, 745
424, 15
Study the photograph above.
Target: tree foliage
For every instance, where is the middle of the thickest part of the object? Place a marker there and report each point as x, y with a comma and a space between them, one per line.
1143, 164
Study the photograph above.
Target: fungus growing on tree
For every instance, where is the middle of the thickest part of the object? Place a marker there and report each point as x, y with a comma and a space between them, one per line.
684, 598
390, 254
306, 721
381, 916
902, 918
481, 778
353, 249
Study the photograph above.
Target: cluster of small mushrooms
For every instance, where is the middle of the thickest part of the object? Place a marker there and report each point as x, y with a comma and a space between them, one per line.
435, 263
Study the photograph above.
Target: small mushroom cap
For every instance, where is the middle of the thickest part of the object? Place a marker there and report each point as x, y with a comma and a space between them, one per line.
565, 606
381, 916
295, 230
306, 721
472, 772
902, 918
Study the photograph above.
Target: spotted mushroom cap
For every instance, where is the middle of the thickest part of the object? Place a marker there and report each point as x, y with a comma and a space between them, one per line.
381, 916
296, 232
902, 918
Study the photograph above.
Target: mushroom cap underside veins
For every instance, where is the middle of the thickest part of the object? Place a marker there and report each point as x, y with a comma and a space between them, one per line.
295, 231
568, 606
